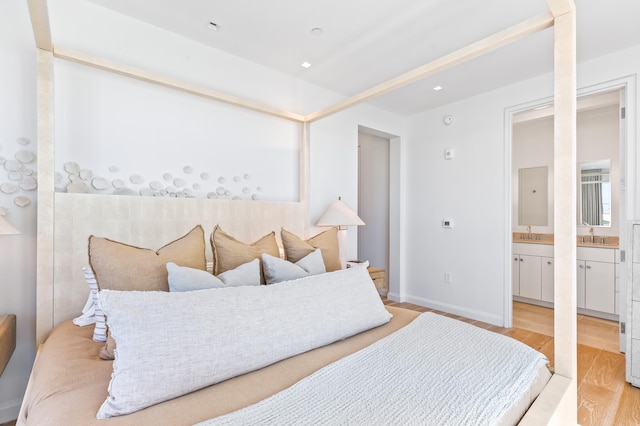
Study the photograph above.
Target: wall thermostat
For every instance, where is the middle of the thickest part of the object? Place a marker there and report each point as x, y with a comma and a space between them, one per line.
447, 223
448, 120
449, 153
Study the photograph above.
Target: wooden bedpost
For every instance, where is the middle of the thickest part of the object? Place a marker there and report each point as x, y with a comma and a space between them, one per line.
557, 405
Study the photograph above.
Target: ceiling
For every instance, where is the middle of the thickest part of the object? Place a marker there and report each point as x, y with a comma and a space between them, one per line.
365, 43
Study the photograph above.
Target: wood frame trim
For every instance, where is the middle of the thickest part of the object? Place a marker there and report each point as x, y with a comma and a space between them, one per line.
460, 56
164, 81
39, 13
40, 22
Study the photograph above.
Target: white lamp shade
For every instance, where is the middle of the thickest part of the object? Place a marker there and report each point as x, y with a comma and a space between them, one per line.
339, 214
6, 228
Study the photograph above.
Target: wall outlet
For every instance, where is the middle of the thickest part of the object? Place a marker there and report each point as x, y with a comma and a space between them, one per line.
447, 277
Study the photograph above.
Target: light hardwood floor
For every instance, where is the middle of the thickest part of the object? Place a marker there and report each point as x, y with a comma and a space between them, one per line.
604, 396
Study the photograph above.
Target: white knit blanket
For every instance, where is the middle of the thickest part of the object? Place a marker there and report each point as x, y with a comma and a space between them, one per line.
434, 371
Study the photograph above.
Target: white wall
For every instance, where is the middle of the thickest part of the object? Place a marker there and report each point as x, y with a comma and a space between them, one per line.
474, 191
334, 160
471, 191
17, 252
118, 127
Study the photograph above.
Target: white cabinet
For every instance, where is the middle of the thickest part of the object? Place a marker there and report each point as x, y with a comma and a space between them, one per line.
530, 272
530, 276
596, 286
533, 279
547, 279
633, 303
596, 279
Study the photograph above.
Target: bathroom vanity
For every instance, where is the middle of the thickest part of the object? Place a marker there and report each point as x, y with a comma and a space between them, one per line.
597, 268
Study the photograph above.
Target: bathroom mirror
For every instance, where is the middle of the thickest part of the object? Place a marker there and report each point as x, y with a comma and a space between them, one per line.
595, 193
532, 196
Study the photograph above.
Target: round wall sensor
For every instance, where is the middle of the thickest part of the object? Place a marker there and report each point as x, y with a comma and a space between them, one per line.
448, 120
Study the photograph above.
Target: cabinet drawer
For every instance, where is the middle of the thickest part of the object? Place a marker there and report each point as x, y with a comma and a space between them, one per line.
532, 249
596, 254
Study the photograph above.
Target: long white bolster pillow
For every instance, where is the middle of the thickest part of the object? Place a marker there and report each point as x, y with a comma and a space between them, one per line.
170, 344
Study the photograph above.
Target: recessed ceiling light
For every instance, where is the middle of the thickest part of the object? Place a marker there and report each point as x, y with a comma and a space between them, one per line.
212, 26
316, 32
305, 64
437, 88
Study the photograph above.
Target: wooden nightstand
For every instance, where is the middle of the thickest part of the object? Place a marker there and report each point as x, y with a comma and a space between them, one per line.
379, 279
7, 339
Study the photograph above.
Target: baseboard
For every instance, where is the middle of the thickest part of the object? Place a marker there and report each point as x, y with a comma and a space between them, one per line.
394, 297
9, 410
456, 310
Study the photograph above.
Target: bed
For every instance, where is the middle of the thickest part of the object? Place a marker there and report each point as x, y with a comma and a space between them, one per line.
65, 220
312, 347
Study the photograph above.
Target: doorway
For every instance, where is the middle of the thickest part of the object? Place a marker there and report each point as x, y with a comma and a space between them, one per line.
601, 139
373, 199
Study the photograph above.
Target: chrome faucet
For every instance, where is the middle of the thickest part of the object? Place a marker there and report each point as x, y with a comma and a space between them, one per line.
529, 232
591, 235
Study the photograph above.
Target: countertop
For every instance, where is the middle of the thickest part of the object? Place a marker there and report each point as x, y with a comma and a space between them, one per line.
581, 240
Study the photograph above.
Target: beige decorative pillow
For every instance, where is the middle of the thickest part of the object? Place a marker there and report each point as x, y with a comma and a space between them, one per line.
107, 352
296, 248
118, 266
229, 253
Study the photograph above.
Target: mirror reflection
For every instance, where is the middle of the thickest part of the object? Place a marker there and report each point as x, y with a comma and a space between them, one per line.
595, 193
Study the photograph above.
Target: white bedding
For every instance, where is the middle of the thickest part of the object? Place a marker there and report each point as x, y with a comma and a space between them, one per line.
434, 371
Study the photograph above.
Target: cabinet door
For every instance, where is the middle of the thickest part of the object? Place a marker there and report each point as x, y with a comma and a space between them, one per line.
547, 279
515, 275
530, 277
600, 287
580, 282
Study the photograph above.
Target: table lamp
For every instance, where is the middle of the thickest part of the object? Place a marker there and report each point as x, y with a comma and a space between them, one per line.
339, 214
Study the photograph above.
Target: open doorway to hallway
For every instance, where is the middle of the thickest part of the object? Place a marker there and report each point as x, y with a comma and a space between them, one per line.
373, 201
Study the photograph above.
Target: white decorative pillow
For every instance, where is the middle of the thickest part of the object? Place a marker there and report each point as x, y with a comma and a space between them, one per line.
88, 315
252, 327
100, 329
182, 278
277, 270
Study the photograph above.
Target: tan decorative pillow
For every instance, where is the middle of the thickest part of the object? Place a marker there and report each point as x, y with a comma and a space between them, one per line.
229, 253
118, 266
296, 248
107, 352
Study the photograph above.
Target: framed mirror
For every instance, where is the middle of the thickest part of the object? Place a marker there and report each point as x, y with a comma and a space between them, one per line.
595, 193
533, 196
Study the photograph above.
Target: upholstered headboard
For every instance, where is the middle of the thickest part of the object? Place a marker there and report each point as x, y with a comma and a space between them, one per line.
149, 222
